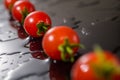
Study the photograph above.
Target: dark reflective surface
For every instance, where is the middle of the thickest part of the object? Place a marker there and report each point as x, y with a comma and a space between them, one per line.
22, 57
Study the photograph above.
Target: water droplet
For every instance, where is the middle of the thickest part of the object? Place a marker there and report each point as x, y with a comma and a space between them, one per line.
84, 32
72, 22
92, 23
64, 20
11, 63
54, 61
20, 56
26, 60
5, 62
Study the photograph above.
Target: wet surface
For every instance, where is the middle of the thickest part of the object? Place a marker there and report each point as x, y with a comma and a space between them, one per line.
22, 57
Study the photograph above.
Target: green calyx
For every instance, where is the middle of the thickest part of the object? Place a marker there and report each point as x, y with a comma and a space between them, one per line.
66, 50
42, 28
104, 68
24, 13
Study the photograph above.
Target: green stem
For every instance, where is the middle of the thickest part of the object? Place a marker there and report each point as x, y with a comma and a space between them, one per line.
45, 28
69, 50
24, 13
103, 68
66, 50
63, 56
42, 28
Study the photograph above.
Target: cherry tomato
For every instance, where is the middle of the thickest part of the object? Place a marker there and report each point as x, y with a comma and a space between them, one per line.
21, 9
37, 23
61, 43
94, 66
9, 4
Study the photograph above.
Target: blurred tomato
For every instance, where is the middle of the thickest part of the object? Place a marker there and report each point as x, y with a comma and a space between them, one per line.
9, 4
21, 9
96, 66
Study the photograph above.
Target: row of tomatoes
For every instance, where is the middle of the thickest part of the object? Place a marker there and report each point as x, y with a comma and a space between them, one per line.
62, 42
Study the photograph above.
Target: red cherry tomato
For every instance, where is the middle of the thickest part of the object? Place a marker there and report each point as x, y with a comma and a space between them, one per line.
37, 23
92, 66
60, 43
9, 4
21, 9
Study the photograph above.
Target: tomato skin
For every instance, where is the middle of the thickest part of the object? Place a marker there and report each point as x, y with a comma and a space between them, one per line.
31, 21
19, 6
55, 37
9, 3
82, 69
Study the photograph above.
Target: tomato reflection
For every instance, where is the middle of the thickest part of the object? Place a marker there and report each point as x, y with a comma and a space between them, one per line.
35, 45
39, 55
60, 70
21, 33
